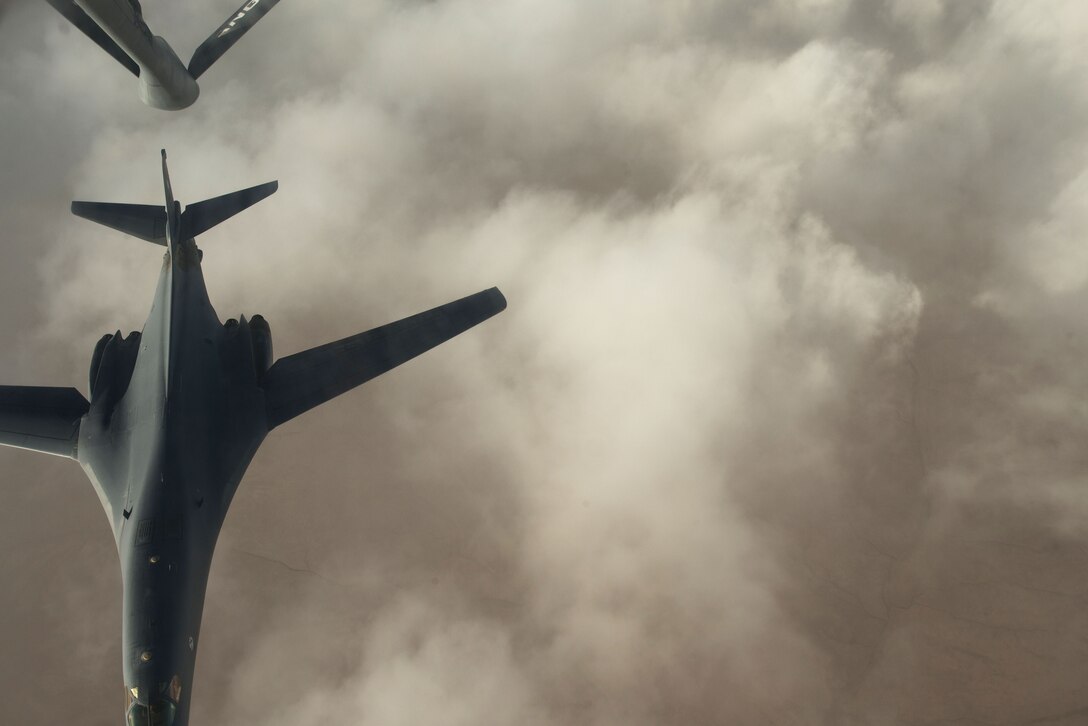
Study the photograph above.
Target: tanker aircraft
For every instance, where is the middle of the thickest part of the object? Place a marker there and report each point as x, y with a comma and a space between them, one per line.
176, 413
118, 27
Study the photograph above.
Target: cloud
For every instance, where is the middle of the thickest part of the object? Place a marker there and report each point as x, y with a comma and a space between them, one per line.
781, 424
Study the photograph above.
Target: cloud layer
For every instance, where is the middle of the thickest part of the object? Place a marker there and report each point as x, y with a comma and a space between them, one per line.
782, 423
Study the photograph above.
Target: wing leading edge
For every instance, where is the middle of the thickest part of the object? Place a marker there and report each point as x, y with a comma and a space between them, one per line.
299, 382
41, 419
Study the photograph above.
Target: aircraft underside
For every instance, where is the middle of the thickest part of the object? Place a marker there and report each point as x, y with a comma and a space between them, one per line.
176, 413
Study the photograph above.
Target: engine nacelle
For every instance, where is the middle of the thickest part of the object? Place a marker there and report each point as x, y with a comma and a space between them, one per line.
262, 345
96, 361
112, 363
250, 344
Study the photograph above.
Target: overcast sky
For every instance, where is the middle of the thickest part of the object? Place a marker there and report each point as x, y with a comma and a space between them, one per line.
784, 424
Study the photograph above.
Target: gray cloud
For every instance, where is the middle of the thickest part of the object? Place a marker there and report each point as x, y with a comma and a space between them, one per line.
781, 423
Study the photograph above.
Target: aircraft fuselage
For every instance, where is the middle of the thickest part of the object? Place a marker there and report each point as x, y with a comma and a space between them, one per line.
166, 456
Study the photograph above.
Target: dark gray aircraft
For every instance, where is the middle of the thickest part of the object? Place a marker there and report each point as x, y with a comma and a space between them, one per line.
176, 414
118, 27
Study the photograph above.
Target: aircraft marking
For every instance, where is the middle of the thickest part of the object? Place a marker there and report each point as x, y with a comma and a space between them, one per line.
241, 14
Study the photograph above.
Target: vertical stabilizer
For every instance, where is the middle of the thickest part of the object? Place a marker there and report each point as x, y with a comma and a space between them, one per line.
173, 209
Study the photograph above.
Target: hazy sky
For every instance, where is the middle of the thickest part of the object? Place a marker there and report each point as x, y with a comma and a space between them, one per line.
784, 423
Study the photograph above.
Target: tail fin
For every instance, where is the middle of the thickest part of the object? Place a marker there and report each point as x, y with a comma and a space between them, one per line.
167, 189
91, 29
169, 225
146, 221
228, 34
173, 209
202, 216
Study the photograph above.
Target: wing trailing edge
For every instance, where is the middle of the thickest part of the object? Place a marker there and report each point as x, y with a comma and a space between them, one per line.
297, 383
41, 419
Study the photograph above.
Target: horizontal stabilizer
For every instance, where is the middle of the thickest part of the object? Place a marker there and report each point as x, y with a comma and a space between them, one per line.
41, 419
146, 221
299, 382
91, 29
228, 34
202, 216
